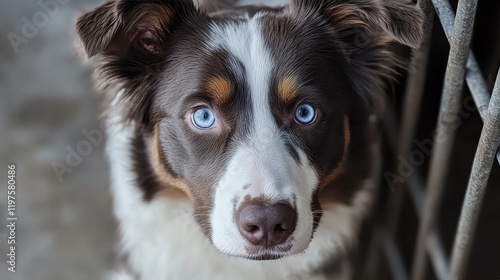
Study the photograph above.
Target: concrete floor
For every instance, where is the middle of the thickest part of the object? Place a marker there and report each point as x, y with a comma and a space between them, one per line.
65, 229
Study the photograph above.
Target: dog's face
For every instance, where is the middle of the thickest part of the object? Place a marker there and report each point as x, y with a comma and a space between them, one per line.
249, 113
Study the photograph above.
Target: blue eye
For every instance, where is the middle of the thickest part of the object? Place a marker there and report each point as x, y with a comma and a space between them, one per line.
305, 114
203, 118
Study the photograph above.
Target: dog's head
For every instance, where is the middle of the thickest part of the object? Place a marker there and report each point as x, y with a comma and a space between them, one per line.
250, 113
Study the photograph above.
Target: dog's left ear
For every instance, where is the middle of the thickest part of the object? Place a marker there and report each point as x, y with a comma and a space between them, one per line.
402, 20
370, 33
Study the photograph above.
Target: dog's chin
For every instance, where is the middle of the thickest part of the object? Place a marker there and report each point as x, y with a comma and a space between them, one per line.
259, 257
265, 257
255, 253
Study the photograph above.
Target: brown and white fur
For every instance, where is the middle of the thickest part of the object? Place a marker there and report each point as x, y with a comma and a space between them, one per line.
180, 190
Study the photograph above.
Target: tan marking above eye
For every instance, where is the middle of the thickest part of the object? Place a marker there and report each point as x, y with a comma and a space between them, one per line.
219, 88
288, 89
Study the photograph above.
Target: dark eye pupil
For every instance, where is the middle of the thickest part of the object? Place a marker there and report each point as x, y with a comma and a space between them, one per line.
303, 112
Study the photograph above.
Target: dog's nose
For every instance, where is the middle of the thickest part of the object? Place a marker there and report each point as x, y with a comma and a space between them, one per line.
266, 225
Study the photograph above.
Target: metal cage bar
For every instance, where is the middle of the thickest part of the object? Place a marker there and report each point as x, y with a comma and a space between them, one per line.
448, 115
475, 81
474, 78
483, 161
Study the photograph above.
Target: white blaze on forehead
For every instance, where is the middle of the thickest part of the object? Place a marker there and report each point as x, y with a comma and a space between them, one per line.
262, 162
245, 42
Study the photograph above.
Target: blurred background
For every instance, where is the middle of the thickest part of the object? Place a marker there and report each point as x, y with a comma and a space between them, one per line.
66, 230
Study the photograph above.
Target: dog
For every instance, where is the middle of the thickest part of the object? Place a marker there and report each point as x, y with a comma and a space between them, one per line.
243, 140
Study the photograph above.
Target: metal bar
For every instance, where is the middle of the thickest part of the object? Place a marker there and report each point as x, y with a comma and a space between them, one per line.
411, 112
477, 86
436, 251
450, 106
376, 248
475, 80
434, 244
394, 258
417, 194
483, 161
446, 16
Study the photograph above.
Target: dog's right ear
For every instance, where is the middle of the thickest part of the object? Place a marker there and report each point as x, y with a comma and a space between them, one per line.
132, 29
132, 39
